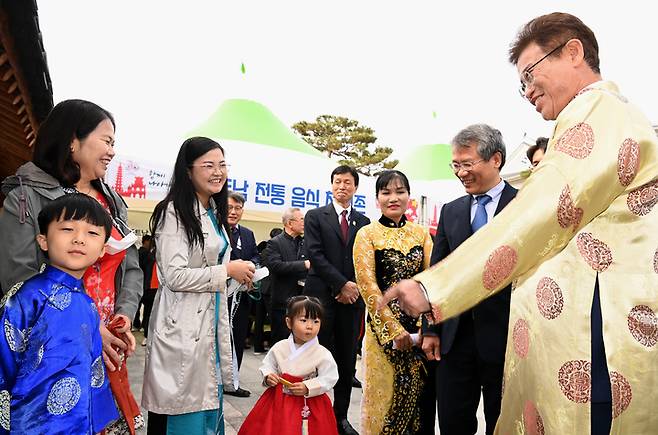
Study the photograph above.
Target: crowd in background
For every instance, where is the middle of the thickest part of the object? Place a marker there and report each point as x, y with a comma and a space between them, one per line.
541, 301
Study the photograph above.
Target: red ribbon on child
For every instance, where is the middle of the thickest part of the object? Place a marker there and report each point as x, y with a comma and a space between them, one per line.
119, 381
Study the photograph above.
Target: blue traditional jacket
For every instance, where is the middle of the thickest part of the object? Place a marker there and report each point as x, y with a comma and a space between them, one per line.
52, 375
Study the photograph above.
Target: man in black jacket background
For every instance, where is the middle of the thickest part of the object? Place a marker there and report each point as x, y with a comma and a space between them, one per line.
284, 258
243, 247
329, 233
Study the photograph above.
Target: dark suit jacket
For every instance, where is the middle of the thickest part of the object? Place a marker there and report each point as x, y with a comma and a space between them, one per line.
331, 259
491, 316
285, 261
248, 242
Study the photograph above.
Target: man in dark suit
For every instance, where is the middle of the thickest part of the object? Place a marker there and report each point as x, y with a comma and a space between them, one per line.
471, 347
243, 247
284, 258
329, 238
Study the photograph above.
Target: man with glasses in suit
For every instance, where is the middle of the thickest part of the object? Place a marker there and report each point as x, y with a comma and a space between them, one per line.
470, 348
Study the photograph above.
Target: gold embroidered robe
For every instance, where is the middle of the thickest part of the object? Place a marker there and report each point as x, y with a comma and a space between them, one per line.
587, 210
384, 254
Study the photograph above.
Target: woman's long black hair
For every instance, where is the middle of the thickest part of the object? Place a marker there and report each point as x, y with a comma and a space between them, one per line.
182, 194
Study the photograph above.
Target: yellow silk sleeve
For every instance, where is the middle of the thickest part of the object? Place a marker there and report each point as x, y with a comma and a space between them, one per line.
386, 326
592, 159
428, 244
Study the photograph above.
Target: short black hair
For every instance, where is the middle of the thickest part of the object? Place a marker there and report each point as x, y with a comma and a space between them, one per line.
308, 305
146, 238
540, 144
275, 232
345, 169
77, 207
386, 177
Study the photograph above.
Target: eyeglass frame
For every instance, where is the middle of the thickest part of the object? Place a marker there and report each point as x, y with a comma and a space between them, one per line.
235, 207
223, 167
460, 166
527, 78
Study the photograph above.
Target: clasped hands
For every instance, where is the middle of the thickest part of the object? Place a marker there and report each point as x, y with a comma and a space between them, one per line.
349, 293
295, 388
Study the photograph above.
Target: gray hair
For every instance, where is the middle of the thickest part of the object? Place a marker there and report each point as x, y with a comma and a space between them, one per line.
236, 196
489, 141
289, 214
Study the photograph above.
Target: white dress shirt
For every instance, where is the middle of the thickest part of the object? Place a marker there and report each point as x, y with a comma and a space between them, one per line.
339, 209
495, 193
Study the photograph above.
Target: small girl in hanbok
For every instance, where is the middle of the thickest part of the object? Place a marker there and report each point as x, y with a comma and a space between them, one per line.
299, 372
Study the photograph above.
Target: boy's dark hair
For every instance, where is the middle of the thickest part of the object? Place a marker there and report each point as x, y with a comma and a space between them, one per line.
146, 238
75, 206
345, 169
308, 305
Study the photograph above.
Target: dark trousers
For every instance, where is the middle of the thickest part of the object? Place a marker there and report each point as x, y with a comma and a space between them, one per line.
339, 333
601, 415
240, 323
137, 322
280, 330
462, 376
427, 400
157, 424
259, 309
147, 302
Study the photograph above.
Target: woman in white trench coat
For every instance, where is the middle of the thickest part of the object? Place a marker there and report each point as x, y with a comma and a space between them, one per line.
189, 353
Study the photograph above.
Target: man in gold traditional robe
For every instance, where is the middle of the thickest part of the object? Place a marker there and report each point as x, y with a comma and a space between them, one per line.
580, 242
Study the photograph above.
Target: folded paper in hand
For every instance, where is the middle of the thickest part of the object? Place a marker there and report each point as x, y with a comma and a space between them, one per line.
235, 286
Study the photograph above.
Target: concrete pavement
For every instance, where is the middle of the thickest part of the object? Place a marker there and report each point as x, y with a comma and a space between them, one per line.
237, 408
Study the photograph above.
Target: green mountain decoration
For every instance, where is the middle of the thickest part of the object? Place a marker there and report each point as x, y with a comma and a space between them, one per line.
250, 121
428, 162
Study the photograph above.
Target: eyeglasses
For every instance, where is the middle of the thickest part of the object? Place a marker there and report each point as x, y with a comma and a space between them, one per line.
235, 208
209, 167
527, 79
466, 166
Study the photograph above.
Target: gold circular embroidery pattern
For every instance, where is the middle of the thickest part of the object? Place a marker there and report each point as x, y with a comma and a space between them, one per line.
521, 337
532, 421
643, 325
628, 161
622, 394
595, 252
641, 200
575, 380
567, 214
499, 267
549, 298
578, 141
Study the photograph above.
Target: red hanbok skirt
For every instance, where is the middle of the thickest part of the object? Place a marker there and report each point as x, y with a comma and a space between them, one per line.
277, 413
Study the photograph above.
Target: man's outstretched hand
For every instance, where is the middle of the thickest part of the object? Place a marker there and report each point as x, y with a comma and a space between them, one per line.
410, 296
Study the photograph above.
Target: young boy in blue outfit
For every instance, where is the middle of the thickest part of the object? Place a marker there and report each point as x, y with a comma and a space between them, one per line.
52, 375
